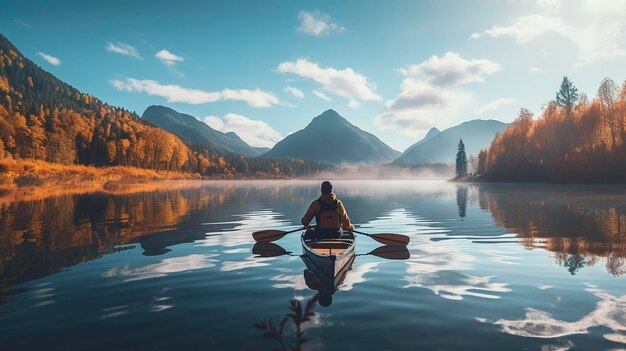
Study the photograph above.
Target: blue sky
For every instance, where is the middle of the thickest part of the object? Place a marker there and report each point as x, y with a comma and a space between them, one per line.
265, 68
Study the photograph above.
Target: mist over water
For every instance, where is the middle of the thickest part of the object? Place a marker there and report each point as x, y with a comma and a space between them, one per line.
491, 266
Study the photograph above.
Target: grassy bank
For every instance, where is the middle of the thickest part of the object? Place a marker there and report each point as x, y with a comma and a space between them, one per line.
31, 179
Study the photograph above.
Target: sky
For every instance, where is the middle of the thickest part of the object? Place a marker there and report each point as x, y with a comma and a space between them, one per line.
264, 69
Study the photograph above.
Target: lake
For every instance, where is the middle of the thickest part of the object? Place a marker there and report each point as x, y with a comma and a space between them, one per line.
491, 267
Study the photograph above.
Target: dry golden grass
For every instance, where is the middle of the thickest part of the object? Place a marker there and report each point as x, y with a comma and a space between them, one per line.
28, 179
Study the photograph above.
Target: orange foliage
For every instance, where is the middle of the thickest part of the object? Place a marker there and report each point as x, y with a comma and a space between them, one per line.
586, 144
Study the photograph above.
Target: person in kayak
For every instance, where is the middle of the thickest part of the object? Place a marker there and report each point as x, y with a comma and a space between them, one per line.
329, 213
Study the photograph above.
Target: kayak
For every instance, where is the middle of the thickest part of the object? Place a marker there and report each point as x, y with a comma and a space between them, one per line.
329, 259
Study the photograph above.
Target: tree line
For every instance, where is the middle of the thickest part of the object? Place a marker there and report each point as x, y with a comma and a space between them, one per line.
42, 117
576, 139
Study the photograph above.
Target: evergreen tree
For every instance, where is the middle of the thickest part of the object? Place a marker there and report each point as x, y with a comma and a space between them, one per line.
461, 161
567, 96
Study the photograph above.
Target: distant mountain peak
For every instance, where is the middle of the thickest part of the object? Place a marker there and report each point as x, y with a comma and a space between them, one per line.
329, 118
441, 146
331, 138
432, 132
190, 128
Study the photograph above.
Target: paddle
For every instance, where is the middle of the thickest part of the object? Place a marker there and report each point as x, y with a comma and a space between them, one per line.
272, 234
265, 249
388, 239
391, 252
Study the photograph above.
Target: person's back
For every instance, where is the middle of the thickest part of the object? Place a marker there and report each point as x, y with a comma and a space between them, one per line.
329, 213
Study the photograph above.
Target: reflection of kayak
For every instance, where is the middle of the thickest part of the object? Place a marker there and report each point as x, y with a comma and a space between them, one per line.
329, 259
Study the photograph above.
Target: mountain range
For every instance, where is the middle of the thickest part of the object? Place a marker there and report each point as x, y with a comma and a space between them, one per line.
189, 127
442, 146
331, 138
42, 117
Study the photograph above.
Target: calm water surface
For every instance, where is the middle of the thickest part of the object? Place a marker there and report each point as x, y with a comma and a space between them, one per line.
492, 267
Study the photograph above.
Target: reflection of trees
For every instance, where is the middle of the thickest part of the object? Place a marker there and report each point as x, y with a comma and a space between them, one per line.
40, 237
461, 199
580, 225
574, 263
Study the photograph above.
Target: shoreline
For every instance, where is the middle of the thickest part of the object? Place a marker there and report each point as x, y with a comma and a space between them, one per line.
537, 182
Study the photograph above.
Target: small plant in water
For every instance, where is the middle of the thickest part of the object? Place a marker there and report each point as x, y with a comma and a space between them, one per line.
298, 316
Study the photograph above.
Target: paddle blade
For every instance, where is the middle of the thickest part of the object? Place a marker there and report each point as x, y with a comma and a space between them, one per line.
391, 239
268, 235
265, 249
391, 252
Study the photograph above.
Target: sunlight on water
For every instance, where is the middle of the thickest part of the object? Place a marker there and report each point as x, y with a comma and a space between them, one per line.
530, 267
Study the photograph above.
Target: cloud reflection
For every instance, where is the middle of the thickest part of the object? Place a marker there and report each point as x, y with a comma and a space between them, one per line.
163, 268
435, 265
610, 312
248, 223
455, 285
248, 262
357, 274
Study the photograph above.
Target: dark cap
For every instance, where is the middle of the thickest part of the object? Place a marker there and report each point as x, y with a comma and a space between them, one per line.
327, 187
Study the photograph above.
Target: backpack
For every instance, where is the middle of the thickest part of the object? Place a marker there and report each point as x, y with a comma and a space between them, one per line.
328, 216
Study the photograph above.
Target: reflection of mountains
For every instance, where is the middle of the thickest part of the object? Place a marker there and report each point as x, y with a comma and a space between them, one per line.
579, 224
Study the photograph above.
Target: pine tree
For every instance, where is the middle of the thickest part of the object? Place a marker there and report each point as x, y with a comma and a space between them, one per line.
567, 96
461, 161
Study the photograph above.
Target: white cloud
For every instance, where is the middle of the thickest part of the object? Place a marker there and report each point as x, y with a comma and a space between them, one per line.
528, 28
175, 93
345, 83
295, 92
451, 69
168, 58
317, 23
494, 105
430, 94
49, 58
536, 70
600, 35
548, 6
353, 104
255, 98
253, 132
123, 49
321, 95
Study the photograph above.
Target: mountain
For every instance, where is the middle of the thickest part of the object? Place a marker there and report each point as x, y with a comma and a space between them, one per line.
442, 146
189, 127
44, 118
431, 133
262, 149
331, 138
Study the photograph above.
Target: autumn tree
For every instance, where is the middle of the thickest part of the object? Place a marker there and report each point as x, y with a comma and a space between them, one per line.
482, 160
575, 139
607, 95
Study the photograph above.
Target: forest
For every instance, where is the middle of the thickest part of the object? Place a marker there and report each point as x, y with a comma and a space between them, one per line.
576, 139
43, 118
